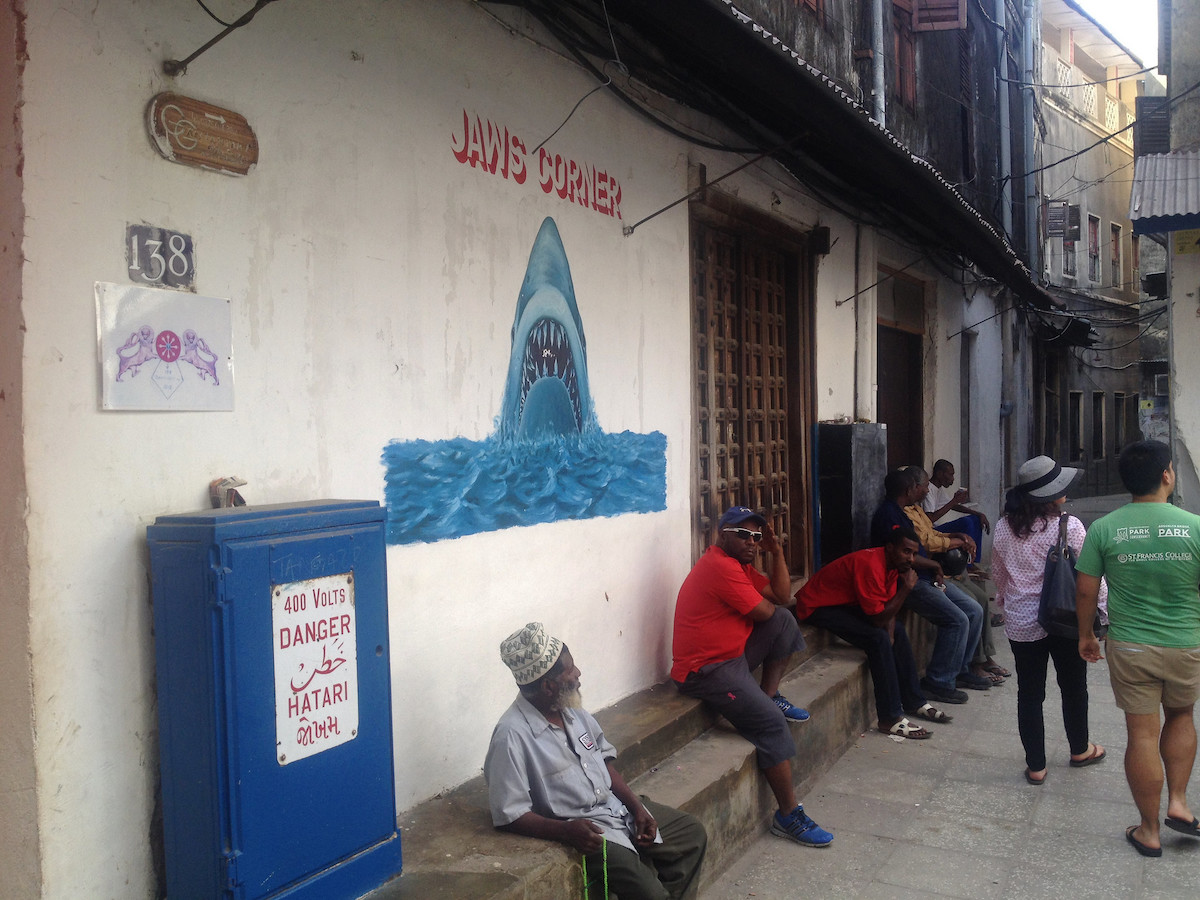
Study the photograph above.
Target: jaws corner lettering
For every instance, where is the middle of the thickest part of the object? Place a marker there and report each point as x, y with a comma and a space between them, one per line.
484, 144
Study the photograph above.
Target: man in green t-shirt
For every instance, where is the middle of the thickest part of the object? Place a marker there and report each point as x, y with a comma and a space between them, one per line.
1149, 553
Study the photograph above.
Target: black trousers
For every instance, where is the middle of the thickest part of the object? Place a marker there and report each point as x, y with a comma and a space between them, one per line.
890, 659
1032, 663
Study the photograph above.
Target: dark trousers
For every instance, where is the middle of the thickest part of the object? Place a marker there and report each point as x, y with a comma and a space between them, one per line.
730, 689
666, 871
893, 669
972, 526
1032, 661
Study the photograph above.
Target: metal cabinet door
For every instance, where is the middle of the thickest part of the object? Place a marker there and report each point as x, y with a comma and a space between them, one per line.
290, 816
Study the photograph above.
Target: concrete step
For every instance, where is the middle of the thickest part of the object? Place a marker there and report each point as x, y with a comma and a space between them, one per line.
672, 750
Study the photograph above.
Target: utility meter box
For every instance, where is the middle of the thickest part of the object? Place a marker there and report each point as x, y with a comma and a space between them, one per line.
274, 701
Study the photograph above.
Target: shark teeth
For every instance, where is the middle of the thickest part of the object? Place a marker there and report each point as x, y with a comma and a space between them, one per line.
548, 355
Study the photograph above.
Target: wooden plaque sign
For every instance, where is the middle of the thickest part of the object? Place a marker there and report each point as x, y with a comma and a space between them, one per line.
195, 133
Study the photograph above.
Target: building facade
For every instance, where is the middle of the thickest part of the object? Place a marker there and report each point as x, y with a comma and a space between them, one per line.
1088, 360
553, 282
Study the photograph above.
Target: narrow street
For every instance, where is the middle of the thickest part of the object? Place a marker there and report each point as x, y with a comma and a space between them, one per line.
952, 816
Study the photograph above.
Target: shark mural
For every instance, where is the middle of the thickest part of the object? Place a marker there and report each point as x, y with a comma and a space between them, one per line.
548, 458
547, 387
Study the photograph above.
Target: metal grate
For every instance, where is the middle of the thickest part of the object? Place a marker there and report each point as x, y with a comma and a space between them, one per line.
741, 379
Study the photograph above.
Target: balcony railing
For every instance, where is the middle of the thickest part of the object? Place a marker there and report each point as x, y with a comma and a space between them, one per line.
1071, 88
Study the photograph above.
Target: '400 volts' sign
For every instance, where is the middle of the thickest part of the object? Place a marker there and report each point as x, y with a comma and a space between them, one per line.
316, 666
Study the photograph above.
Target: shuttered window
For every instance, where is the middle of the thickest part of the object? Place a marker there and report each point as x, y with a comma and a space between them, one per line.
939, 15
904, 54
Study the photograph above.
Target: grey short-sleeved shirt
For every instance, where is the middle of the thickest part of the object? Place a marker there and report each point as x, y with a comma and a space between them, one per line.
533, 766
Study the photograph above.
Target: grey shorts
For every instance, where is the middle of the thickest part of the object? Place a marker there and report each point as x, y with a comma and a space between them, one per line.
731, 690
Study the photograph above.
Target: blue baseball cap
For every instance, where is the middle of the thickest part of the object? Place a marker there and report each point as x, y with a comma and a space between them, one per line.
736, 515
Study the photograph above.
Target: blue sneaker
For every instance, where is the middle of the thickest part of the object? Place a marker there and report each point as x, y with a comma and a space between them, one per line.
797, 826
795, 713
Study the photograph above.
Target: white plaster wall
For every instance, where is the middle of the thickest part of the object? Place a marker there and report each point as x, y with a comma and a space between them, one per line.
845, 324
949, 315
373, 281
1185, 386
957, 316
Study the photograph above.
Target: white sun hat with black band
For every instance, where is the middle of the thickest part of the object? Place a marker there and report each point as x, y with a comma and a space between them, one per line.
1041, 478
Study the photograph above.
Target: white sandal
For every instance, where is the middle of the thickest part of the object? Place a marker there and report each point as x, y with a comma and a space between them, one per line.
907, 729
931, 713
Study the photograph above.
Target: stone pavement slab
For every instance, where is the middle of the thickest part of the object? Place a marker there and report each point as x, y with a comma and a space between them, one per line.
953, 817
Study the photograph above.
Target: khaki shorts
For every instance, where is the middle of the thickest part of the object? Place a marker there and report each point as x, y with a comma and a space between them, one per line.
1145, 677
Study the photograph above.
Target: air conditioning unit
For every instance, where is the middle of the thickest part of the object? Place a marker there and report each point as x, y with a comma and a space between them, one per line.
1162, 385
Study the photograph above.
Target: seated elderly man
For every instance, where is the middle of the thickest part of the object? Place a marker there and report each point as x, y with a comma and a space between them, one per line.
857, 598
550, 774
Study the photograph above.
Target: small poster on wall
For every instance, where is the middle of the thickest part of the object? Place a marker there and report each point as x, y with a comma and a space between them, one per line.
163, 350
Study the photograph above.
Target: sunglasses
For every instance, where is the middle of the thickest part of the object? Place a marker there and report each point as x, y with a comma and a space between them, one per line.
745, 534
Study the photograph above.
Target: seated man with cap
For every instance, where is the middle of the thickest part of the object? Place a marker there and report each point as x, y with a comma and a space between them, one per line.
550, 774
730, 619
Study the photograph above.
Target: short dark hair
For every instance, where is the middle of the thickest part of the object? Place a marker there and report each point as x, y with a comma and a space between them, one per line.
1141, 466
942, 464
897, 482
899, 534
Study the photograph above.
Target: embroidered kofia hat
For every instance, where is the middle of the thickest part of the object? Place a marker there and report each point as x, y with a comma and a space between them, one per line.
736, 515
1043, 479
530, 652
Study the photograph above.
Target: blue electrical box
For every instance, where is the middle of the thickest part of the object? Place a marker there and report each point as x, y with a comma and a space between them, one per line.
274, 701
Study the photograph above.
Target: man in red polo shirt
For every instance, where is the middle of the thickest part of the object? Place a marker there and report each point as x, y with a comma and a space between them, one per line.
730, 619
857, 597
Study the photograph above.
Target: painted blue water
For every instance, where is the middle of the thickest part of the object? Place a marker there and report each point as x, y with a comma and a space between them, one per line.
436, 490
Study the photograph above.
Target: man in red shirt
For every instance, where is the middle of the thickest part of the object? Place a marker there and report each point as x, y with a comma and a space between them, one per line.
857, 597
730, 619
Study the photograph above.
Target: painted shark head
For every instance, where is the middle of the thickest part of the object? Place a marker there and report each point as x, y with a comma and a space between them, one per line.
546, 392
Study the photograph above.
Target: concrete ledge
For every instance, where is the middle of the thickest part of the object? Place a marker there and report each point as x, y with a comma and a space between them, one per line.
672, 751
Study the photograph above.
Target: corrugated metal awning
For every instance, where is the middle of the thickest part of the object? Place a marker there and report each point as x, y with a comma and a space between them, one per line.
1166, 192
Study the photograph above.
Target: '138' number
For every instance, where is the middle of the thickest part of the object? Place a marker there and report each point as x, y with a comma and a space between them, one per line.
160, 256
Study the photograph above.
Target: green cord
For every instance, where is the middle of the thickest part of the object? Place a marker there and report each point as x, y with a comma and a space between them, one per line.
604, 857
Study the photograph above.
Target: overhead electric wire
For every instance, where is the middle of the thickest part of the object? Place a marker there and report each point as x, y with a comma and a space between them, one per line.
1020, 83
213, 15
1103, 140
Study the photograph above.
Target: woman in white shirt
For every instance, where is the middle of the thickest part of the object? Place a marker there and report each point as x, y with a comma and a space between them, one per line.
1021, 541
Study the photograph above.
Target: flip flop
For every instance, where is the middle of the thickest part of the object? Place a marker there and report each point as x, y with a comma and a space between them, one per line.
931, 713
1036, 782
1090, 760
907, 729
1139, 846
1191, 829
997, 669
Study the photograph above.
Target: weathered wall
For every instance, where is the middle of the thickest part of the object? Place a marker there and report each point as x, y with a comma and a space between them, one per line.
1185, 72
373, 279
19, 856
1185, 392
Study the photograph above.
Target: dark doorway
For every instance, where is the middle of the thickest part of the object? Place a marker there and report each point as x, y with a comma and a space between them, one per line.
899, 397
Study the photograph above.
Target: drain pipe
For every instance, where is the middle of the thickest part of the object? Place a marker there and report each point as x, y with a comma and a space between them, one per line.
1005, 124
1033, 194
879, 86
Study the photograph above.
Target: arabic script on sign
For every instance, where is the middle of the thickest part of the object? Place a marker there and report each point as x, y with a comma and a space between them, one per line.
316, 665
